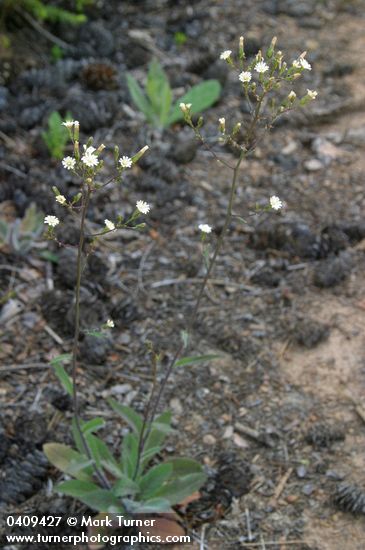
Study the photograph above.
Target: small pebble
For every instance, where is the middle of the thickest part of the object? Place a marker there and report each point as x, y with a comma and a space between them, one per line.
301, 471
209, 439
313, 165
308, 489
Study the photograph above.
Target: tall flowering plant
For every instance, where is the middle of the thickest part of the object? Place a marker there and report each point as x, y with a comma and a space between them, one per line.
128, 484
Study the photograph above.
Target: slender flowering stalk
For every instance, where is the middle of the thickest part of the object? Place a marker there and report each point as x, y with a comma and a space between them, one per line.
273, 62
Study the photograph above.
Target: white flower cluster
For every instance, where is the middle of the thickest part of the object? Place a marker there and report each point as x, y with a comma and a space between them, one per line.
125, 162
89, 158
143, 207
275, 203
71, 124
52, 221
205, 228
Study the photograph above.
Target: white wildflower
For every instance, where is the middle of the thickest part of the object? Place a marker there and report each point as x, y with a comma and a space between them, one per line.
69, 163
52, 221
261, 67
222, 124
312, 94
292, 95
88, 150
225, 55
143, 207
125, 162
109, 225
297, 64
69, 123
110, 323
89, 158
305, 65
275, 203
61, 199
205, 228
185, 107
245, 76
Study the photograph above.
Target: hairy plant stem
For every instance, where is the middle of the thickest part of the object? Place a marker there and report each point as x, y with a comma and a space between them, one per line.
86, 192
151, 408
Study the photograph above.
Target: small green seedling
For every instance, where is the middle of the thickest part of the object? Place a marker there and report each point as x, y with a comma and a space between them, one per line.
56, 136
156, 102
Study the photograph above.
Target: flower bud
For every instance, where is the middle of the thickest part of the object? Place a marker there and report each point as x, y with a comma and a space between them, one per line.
100, 148
222, 124
236, 129
270, 51
241, 50
77, 150
116, 154
140, 154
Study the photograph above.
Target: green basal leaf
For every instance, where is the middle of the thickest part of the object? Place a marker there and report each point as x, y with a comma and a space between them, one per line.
176, 490
93, 425
164, 418
138, 98
129, 454
101, 500
68, 460
156, 438
202, 96
101, 454
194, 359
152, 506
147, 455
184, 466
133, 419
64, 378
49, 256
125, 487
159, 92
154, 479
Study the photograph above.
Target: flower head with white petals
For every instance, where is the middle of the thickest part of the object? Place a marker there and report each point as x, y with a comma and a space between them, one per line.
70, 123
126, 162
261, 67
61, 199
275, 203
110, 323
185, 107
69, 163
305, 65
143, 207
245, 76
52, 221
225, 55
205, 228
312, 94
109, 225
89, 158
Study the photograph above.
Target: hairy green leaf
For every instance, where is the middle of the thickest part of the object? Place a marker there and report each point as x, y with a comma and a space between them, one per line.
202, 96
154, 479
68, 460
64, 378
128, 414
194, 359
139, 99
181, 487
101, 500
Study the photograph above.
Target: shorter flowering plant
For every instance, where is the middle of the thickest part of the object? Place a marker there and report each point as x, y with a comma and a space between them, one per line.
125, 484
